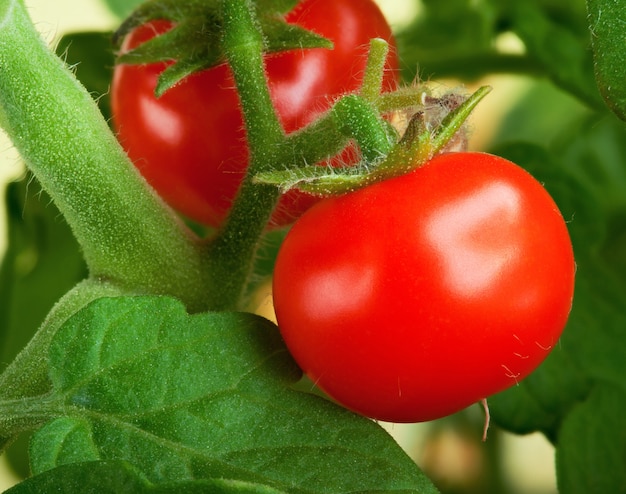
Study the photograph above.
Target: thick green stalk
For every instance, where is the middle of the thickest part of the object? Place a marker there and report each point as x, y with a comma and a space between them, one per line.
375, 70
128, 236
244, 47
232, 251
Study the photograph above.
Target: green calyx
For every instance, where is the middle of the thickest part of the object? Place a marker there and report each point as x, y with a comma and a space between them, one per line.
196, 40
426, 125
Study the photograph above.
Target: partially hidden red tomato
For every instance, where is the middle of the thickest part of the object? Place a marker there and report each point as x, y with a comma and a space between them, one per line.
190, 143
413, 298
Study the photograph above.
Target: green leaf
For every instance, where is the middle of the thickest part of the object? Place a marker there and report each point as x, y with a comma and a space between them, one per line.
118, 477
195, 397
591, 456
281, 36
517, 410
607, 22
561, 51
542, 400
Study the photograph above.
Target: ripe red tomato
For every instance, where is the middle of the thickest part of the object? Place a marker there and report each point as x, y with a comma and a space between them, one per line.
190, 143
415, 297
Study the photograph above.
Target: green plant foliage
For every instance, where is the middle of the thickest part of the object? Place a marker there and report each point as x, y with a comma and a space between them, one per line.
195, 41
593, 438
560, 51
460, 39
607, 19
194, 397
117, 477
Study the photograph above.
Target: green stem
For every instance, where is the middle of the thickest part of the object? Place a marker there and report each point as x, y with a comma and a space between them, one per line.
244, 48
404, 98
375, 69
231, 254
330, 133
24, 414
357, 118
126, 233
318, 141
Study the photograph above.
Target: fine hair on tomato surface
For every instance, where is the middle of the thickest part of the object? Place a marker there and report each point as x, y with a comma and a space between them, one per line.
413, 298
190, 144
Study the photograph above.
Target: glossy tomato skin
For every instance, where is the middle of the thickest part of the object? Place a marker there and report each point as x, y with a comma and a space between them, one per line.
190, 143
413, 298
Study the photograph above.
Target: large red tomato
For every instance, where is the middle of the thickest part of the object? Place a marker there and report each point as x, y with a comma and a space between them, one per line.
415, 297
190, 143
